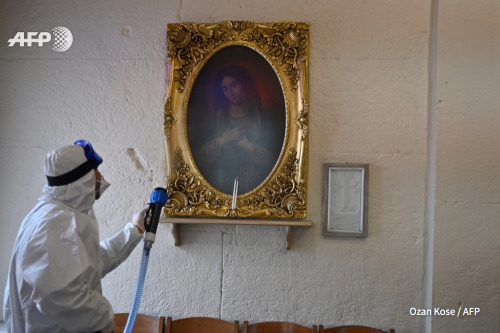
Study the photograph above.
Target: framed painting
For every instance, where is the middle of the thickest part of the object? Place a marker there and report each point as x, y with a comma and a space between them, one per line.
236, 119
346, 200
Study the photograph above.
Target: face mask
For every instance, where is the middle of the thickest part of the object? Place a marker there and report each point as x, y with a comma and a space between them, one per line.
101, 186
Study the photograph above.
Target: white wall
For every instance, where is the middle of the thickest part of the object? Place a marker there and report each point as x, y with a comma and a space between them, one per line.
368, 103
467, 223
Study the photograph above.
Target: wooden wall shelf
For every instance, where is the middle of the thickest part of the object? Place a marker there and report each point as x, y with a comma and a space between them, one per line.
289, 224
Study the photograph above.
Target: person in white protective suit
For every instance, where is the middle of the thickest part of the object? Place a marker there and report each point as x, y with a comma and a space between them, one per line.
54, 281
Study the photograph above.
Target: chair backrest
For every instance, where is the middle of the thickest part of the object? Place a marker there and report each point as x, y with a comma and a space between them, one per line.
277, 327
143, 323
352, 329
201, 325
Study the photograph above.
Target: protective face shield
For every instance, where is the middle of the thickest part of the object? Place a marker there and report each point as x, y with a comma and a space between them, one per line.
100, 185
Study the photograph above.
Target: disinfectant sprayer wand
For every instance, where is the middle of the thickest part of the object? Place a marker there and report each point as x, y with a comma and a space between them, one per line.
158, 200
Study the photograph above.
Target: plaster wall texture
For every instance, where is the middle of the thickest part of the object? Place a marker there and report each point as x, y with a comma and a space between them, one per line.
467, 222
368, 104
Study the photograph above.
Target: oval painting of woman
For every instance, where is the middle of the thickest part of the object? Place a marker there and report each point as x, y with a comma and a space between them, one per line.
236, 119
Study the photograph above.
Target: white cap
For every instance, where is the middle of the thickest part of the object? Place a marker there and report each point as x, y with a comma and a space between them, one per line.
63, 160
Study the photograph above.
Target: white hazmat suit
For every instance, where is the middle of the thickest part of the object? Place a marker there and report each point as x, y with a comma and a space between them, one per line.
54, 281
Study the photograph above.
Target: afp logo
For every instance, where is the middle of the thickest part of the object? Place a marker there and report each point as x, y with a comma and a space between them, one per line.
61, 39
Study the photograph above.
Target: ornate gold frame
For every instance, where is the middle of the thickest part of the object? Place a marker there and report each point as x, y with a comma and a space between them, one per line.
285, 46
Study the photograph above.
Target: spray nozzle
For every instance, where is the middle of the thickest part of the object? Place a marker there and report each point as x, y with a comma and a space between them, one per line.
158, 199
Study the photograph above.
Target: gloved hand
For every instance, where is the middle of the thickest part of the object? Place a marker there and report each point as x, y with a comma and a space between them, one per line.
138, 219
109, 327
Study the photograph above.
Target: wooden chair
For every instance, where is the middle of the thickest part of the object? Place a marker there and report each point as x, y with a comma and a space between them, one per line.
276, 327
143, 323
352, 329
201, 325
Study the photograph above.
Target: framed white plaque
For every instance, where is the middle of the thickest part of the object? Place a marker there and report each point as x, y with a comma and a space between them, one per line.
346, 200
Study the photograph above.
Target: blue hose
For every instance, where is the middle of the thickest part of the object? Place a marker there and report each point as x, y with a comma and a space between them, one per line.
139, 287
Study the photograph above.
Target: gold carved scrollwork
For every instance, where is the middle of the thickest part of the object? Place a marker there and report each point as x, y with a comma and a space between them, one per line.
283, 197
303, 121
287, 43
169, 117
285, 47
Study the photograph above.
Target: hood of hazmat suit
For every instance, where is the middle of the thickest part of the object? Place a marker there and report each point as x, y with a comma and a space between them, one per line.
54, 281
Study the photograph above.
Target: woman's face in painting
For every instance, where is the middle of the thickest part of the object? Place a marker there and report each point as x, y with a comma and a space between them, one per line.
232, 89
